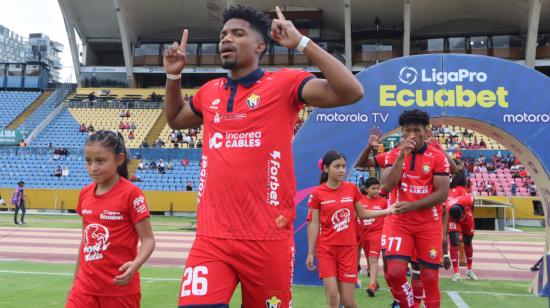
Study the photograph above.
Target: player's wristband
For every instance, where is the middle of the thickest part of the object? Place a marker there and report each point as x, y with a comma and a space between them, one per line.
303, 43
173, 76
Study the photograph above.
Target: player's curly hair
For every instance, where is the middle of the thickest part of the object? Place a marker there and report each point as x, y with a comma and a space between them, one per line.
414, 116
258, 20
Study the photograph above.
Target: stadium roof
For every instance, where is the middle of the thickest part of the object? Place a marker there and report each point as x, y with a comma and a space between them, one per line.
163, 20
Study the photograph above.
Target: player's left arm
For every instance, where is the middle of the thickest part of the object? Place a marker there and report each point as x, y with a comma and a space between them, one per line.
340, 86
147, 239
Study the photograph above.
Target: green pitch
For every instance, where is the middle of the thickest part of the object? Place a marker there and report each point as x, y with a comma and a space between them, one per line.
26, 284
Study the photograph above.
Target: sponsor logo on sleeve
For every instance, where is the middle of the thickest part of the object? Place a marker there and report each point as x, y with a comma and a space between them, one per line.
139, 205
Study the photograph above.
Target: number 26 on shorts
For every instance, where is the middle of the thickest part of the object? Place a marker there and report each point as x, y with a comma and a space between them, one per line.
194, 282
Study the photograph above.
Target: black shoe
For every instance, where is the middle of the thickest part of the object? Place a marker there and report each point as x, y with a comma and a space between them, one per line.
15, 222
23, 223
395, 304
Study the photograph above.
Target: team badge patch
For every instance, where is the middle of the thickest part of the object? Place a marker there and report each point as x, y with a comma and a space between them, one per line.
253, 101
433, 253
425, 168
273, 302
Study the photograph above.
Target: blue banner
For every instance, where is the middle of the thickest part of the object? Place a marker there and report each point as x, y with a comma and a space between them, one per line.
506, 101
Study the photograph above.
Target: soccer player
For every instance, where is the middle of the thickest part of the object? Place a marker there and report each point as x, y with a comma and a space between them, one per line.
114, 217
335, 206
420, 172
461, 223
369, 231
247, 183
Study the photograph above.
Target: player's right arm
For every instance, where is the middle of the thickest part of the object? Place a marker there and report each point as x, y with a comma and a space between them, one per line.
179, 114
392, 174
313, 234
364, 162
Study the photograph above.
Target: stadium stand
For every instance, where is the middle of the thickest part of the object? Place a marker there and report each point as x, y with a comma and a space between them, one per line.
44, 110
12, 103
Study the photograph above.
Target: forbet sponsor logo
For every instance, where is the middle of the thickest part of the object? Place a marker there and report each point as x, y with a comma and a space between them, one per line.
273, 169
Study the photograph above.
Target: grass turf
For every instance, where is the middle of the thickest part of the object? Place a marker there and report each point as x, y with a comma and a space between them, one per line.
43, 290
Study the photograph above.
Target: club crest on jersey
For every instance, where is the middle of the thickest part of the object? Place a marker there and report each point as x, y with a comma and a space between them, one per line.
253, 101
425, 168
273, 302
433, 253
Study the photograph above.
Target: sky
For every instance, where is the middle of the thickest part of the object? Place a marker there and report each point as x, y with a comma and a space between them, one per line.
39, 16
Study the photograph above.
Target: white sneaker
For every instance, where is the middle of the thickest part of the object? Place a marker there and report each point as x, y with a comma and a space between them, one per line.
456, 277
472, 275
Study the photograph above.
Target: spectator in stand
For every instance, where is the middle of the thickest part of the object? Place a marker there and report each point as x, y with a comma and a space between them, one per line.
58, 172
144, 144
56, 154
199, 144
131, 135
135, 178
140, 165
65, 172
133, 126
122, 113
121, 126
169, 165
153, 165
482, 144
127, 125
192, 143
91, 128
513, 187
64, 152
91, 97
173, 138
82, 128
522, 172
532, 190
185, 162
189, 187
128, 113
159, 143
161, 168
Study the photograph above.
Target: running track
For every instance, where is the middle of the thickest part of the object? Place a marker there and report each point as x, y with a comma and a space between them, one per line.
492, 260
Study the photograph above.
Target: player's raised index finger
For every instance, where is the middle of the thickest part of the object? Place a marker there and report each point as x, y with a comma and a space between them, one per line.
183, 43
280, 15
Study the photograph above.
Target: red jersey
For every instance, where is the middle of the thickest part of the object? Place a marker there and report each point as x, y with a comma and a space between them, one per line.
109, 237
467, 203
336, 212
372, 224
247, 172
380, 159
416, 181
457, 191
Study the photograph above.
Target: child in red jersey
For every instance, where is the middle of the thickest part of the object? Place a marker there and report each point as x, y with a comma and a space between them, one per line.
335, 205
114, 217
369, 231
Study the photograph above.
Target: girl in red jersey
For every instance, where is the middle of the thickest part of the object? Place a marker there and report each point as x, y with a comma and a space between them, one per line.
335, 204
114, 217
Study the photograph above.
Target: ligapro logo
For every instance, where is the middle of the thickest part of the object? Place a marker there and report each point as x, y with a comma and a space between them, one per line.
409, 75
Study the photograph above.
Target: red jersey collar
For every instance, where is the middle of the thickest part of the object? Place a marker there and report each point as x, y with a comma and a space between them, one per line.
246, 81
421, 150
